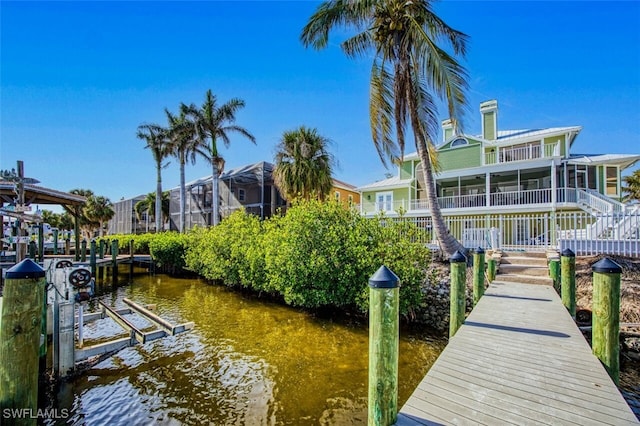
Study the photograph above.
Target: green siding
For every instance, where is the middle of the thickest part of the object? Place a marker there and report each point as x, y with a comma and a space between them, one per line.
601, 184
405, 170
460, 158
554, 140
489, 125
400, 195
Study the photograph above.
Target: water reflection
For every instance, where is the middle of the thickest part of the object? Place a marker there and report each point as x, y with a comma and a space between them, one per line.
247, 362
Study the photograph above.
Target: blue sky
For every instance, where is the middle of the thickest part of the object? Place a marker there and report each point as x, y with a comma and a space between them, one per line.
77, 78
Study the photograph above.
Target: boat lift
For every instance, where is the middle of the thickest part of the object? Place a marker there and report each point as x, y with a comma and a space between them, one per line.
70, 288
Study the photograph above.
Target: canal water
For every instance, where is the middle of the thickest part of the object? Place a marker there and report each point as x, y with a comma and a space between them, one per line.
246, 362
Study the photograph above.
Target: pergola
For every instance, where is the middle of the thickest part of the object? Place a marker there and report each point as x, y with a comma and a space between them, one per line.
33, 194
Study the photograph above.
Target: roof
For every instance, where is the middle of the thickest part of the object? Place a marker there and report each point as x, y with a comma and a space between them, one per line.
247, 174
34, 194
394, 182
622, 160
340, 184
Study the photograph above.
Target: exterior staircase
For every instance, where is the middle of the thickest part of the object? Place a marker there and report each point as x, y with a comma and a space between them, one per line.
524, 267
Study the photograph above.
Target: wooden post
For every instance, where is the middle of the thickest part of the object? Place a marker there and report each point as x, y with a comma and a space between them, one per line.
55, 241
130, 260
101, 256
554, 272
41, 242
491, 269
457, 292
606, 315
101, 248
478, 275
67, 246
83, 251
20, 336
114, 260
32, 250
92, 257
568, 280
383, 347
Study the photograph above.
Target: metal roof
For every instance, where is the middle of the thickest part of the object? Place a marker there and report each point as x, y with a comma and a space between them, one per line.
39, 195
622, 160
394, 182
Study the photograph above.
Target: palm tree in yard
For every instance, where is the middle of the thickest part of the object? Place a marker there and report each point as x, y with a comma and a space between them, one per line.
303, 165
411, 72
181, 135
156, 142
99, 211
214, 123
632, 186
149, 205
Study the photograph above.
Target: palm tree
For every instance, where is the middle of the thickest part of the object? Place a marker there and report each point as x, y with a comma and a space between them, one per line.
152, 134
214, 123
411, 72
181, 135
149, 203
99, 210
303, 165
632, 186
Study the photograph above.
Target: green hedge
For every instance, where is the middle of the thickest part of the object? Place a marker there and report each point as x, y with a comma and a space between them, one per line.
317, 255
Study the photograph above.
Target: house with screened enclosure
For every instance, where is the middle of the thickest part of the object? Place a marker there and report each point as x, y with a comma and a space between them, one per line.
530, 186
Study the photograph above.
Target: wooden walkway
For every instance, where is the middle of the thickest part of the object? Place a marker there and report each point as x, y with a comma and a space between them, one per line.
518, 359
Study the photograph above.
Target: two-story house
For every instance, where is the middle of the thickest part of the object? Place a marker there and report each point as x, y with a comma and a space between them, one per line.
522, 182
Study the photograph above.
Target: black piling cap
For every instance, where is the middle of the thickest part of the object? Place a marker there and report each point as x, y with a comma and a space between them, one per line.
606, 265
384, 278
25, 269
457, 257
568, 253
479, 250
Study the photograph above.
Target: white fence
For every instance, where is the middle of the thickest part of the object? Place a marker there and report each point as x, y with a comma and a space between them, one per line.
583, 233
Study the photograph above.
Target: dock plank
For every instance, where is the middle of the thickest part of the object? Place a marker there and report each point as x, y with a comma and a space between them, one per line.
518, 359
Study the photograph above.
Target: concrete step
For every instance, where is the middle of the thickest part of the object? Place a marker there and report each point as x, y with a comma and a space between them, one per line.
531, 261
530, 254
525, 279
537, 271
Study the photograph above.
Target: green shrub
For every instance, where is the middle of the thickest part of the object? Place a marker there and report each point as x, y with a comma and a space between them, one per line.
167, 249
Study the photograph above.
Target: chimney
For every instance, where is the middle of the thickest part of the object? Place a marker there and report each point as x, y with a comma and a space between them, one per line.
489, 111
447, 129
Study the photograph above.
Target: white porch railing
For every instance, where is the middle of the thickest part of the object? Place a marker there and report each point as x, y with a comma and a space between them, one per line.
522, 153
617, 234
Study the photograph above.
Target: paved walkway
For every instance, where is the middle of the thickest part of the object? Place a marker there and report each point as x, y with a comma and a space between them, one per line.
518, 359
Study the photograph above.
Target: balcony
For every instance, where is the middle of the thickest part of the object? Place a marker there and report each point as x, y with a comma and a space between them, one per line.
522, 153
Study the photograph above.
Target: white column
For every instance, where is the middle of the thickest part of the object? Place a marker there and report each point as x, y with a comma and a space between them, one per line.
487, 185
554, 184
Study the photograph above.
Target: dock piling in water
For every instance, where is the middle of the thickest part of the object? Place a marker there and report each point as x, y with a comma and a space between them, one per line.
20, 337
478, 275
606, 315
457, 292
568, 280
383, 347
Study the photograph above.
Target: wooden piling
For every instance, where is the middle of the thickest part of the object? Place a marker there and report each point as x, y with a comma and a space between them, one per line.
92, 257
20, 336
491, 269
67, 246
383, 347
457, 292
55, 241
554, 272
114, 260
606, 315
32, 250
83, 251
65, 351
478, 275
568, 280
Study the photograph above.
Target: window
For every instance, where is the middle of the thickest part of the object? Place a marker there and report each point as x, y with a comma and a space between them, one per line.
337, 195
459, 142
384, 201
241, 194
350, 199
611, 180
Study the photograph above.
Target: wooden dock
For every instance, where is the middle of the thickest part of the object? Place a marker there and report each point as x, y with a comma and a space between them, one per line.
518, 359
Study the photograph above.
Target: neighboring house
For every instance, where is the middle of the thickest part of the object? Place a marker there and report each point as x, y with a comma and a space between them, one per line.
249, 186
345, 193
505, 174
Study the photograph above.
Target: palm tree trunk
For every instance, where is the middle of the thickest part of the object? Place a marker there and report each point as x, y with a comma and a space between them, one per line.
448, 243
158, 213
215, 192
183, 198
